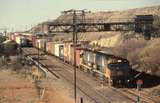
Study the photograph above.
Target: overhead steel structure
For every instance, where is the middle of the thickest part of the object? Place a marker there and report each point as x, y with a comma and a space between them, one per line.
143, 22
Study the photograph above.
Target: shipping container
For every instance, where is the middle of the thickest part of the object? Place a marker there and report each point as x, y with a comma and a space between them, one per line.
67, 51
61, 51
78, 56
78, 53
49, 47
52, 48
57, 49
17, 39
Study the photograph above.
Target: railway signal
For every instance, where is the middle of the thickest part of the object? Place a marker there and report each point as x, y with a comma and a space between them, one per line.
139, 84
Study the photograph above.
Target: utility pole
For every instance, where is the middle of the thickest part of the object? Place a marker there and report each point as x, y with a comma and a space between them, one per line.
38, 54
75, 44
75, 32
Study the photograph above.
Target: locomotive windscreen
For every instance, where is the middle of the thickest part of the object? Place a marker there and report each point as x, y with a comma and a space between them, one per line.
118, 66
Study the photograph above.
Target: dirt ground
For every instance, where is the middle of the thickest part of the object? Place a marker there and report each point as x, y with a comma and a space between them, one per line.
14, 88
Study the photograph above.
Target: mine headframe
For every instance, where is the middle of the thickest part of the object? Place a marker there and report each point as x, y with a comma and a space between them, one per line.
144, 24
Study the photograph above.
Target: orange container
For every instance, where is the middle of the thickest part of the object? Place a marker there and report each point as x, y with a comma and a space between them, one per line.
78, 58
50, 47
53, 48
67, 50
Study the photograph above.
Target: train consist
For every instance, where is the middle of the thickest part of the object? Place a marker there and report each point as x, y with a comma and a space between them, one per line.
108, 68
23, 39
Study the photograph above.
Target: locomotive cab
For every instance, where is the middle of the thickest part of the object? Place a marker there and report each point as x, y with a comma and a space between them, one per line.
117, 71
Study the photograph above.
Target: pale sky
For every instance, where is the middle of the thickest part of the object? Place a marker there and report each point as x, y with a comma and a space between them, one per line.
22, 14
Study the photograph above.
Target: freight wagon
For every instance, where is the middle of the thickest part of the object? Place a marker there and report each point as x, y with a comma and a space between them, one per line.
41, 43
109, 68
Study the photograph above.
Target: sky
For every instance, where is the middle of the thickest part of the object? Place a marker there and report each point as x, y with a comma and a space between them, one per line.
19, 15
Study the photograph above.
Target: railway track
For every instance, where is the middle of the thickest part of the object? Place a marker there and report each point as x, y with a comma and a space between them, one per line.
144, 96
81, 85
101, 93
130, 94
85, 83
66, 77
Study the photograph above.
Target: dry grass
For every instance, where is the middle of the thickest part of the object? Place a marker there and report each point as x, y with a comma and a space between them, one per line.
143, 55
149, 57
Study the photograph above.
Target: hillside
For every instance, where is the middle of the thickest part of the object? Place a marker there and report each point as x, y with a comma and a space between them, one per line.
112, 15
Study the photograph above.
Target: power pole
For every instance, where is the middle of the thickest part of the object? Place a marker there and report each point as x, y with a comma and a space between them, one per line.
38, 55
75, 44
75, 32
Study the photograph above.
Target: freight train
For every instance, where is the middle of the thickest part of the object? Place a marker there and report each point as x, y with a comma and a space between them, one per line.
108, 68
22, 39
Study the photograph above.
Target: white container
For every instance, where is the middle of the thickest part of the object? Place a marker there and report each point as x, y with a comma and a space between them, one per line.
18, 40
57, 49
